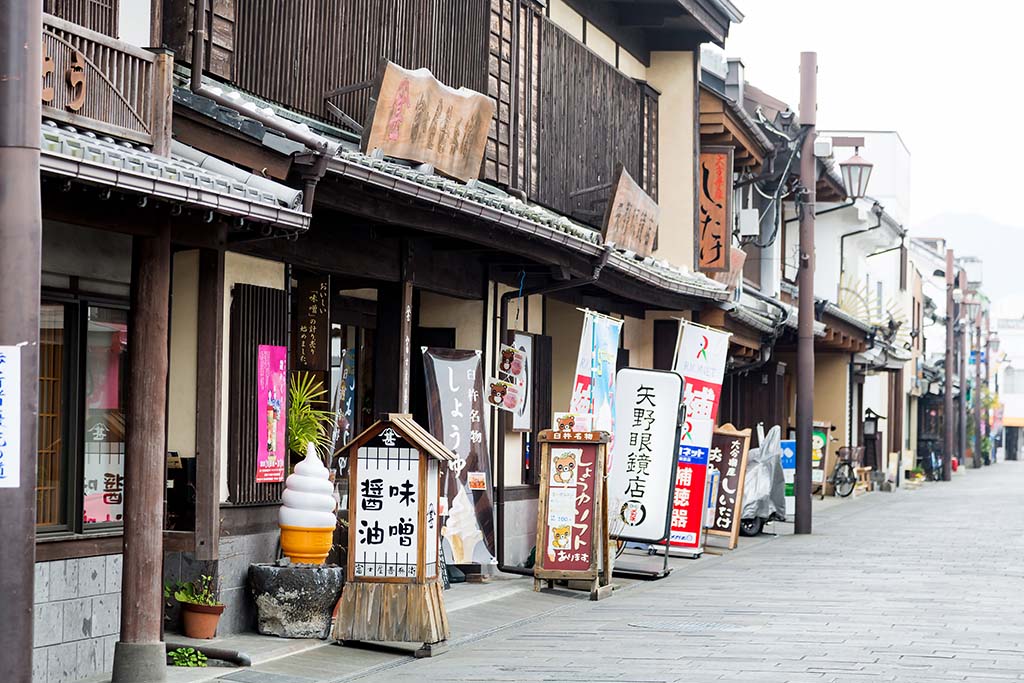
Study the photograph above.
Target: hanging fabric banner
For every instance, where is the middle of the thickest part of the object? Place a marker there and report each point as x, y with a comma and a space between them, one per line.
455, 406
700, 359
594, 389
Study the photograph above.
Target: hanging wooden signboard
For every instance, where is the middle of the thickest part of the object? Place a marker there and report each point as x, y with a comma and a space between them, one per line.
572, 529
311, 329
728, 455
714, 216
414, 116
631, 219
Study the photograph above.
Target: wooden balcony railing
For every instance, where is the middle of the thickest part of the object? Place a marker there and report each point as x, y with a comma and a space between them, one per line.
98, 83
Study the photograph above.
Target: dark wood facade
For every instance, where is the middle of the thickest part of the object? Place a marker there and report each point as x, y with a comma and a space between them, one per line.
564, 116
97, 15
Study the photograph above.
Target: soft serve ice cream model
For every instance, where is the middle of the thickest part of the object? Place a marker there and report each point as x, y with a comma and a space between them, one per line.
307, 516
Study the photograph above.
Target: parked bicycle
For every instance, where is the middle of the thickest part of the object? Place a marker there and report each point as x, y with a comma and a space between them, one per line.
844, 476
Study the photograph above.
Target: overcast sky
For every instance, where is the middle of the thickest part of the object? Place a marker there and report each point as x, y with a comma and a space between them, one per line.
946, 75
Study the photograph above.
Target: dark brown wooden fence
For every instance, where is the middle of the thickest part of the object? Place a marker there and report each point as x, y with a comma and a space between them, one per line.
259, 315
98, 15
591, 117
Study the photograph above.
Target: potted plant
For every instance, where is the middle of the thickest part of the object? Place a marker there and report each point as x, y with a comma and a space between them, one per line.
200, 608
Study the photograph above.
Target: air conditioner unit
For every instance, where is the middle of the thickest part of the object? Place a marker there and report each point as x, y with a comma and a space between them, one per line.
749, 223
823, 148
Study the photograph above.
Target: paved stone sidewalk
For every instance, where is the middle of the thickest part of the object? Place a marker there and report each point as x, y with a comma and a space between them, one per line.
912, 586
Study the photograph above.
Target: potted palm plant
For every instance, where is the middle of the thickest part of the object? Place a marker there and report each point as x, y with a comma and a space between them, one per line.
200, 608
307, 515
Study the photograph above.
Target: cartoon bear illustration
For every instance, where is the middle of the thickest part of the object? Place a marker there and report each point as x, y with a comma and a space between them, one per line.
508, 356
566, 423
565, 468
498, 391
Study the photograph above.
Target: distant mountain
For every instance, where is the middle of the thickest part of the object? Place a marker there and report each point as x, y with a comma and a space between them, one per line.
999, 246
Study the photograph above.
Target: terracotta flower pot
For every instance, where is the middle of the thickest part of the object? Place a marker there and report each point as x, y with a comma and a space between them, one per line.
200, 621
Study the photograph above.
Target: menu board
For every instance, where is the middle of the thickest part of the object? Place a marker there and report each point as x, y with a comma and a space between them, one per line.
570, 529
311, 333
728, 455
387, 509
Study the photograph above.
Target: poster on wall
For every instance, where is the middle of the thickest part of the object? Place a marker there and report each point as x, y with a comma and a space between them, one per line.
789, 473
728, 456
574, 422
456, 410
642, 473
271, 393
594, 385
10, 417
516, 366
504, 395
700, 359
311, 323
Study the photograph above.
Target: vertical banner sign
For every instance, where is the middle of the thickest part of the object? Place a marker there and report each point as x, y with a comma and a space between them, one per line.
594, 387
643, 469
10, 417
714, 223
700, 359
387, 508
516, 366
728, 456
571, 477
455, 402
819, 453
271, 388
789, 473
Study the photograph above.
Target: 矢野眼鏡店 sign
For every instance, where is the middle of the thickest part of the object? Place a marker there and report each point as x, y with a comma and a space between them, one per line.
643, 458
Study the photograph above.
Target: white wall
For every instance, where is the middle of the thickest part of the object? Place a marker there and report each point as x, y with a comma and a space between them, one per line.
133, 22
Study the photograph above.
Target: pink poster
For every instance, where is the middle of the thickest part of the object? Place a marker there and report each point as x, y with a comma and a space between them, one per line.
271, 385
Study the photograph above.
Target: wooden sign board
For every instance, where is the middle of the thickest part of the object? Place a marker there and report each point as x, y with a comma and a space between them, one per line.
728, 455
414, 116
311, 331
714, 215
631, 219
572, 531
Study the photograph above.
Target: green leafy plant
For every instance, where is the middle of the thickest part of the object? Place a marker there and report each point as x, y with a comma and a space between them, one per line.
308, 421
187, 656
198, 592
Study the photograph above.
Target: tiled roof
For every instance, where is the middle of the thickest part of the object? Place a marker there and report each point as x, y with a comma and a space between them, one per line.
478, 199
88, 157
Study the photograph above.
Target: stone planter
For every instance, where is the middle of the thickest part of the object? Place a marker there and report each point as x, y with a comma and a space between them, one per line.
295, 600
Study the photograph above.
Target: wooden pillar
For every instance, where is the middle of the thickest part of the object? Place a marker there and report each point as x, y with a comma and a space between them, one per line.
393, 349
139, 654
210, 342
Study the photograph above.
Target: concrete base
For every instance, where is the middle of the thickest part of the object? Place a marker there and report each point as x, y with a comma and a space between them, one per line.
139, 663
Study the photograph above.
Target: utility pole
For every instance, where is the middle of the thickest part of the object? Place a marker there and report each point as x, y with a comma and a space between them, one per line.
947, 456
988, 379
21, 28
805, 328
962, 338
977, 385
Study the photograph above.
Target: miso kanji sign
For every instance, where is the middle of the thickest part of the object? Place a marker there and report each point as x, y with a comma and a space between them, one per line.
714, 218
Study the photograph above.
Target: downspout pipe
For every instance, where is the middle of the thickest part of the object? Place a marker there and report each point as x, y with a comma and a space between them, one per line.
506, 298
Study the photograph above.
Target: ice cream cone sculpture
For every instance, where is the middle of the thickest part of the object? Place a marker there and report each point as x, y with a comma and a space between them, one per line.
307, 516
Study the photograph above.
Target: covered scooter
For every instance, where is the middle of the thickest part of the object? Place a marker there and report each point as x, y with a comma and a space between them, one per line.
764, 488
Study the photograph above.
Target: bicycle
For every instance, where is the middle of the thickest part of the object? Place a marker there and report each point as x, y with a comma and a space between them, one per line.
844, 476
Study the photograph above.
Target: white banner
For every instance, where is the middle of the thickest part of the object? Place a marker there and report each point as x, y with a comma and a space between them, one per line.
643, 461
10, 417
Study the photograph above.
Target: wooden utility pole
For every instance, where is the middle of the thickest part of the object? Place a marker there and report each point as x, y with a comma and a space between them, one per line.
21, 28
805, 322
139, 654
947, 456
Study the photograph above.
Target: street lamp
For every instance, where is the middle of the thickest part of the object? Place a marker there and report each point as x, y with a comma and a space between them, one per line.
993, 342
856, 173
973, 304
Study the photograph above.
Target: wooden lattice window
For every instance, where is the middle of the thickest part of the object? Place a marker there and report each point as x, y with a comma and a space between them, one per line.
51, 489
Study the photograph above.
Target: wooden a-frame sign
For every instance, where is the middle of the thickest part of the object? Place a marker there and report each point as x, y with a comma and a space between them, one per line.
572, 515
729, 447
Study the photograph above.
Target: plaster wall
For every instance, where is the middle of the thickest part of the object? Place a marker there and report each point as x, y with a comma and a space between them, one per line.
181, 388
672, 74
